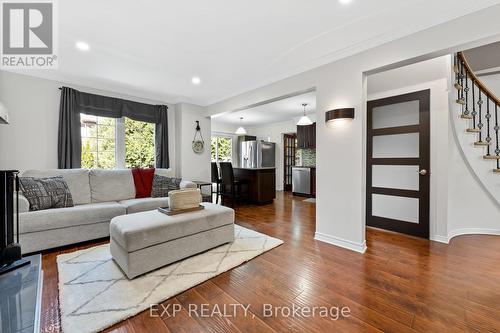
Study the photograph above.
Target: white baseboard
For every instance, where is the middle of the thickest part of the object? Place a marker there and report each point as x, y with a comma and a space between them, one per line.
464, 231
440, 239
473, 231
347, 244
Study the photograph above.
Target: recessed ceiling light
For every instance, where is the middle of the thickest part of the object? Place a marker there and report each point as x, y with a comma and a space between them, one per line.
196, 80
345, 2
82, 46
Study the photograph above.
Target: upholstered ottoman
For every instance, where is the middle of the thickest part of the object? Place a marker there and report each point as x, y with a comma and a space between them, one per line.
143, 242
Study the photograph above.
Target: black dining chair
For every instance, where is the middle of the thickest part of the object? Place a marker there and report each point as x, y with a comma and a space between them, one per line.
232, 188
216, 179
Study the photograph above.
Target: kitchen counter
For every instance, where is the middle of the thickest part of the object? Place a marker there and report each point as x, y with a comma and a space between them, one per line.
261, 183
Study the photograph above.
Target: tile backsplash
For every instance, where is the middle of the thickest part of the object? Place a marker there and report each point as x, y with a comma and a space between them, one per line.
305, 157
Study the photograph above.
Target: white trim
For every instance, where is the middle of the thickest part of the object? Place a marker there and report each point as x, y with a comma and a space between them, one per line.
439, 239
120, 143
347, 244
473, 231
464, 231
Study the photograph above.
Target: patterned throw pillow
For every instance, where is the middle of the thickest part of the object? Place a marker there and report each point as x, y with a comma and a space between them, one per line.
45, 193
162, 185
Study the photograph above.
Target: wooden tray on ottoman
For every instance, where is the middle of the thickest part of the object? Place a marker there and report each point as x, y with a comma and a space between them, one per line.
169, 212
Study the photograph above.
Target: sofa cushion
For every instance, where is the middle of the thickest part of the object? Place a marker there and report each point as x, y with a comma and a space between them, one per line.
45, 193
144, 204
77, 180
57, 218
137, 231
111, 185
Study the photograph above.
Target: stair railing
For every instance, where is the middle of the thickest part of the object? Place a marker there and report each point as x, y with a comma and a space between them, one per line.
479, 106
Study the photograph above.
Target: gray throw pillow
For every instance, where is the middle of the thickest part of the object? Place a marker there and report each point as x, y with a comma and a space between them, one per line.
162, 185
45, 193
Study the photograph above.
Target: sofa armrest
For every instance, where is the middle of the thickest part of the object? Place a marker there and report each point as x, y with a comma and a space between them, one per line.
187, 184
24, 205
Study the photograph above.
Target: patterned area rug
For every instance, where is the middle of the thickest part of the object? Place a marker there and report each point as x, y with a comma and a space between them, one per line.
95, 294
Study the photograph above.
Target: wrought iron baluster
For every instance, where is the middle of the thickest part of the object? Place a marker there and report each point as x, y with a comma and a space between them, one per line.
488, 116
474, 112
480, 124
497, 128
466, 89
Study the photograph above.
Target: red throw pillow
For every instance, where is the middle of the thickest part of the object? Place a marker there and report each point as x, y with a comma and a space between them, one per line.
143, 181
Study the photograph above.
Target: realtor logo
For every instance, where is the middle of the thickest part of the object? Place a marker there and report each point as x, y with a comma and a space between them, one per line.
28, 35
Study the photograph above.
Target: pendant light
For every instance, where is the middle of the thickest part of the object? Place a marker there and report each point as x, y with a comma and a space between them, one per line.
304, 120
241, 130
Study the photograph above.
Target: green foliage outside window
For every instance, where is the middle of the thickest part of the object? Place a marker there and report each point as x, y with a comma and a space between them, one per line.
98, 143
99, 148
139, 144
221, 149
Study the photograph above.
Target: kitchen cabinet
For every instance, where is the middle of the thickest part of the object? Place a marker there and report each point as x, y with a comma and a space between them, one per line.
261, 182
306, 136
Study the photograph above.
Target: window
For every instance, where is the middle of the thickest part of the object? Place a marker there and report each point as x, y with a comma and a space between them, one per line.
221, 148
109, 143
139, 144
98, 142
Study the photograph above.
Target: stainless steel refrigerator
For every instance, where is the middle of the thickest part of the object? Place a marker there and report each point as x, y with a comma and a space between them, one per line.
257, 154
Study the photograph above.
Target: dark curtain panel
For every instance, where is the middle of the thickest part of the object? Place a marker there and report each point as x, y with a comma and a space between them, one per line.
69, 143
140, 111
97, 105
161, 137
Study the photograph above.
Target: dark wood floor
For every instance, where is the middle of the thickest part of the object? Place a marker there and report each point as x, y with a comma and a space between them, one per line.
401, 284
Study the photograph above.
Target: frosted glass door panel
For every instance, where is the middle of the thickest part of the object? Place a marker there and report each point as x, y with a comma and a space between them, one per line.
396, 146
394, 115
395, 208
403, 177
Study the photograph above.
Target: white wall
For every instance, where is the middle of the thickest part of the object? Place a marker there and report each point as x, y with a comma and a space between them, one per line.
474, 190
340, 217
223, 128
192, 166
492, 82
470, 210
30, 140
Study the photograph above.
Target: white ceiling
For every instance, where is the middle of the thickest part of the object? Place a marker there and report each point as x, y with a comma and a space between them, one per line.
275, 112
152, 48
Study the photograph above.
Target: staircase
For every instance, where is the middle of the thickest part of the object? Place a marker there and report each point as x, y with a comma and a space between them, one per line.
479, 107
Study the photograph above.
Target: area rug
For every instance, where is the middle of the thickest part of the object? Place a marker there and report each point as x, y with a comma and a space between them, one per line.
95, 294
311, 200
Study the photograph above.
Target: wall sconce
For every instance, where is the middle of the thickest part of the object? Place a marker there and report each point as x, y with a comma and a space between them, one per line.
338, 114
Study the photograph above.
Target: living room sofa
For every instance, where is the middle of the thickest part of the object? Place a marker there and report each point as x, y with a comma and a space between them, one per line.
98, 196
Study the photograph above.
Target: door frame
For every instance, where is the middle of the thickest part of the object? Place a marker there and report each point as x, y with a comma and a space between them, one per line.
422, 229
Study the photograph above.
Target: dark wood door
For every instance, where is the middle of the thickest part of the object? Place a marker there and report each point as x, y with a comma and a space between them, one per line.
398, 161
289, 150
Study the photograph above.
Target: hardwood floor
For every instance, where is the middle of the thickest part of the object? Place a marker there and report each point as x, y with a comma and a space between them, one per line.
401, 284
